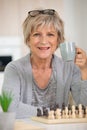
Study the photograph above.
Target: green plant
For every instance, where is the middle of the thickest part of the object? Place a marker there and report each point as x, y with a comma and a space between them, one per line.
5, 100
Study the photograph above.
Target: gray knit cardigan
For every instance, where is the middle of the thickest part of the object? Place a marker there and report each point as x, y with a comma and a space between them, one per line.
18, 79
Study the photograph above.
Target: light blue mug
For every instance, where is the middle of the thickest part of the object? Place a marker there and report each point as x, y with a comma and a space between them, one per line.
68, 51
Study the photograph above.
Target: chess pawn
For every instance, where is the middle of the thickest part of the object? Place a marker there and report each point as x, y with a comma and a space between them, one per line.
63, 110
58, 113
66, 112
83, 110
80, 115
51, 115
70, 114
73, 112
63, 113
86, 112
39, 113
69, 111
76, 111
45, 112
80, 107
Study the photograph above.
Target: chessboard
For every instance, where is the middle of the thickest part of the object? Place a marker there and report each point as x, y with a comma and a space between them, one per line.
59, 121
68, 114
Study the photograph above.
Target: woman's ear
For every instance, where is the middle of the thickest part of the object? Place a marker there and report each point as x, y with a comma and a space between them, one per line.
28, 44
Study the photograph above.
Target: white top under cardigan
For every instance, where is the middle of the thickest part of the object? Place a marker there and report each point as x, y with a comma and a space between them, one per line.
18, 79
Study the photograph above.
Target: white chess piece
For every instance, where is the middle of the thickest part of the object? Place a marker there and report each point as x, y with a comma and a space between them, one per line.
51, 115
73, 112
58, 113
80, 115
70, 113
63, 114
66, 112
86, 112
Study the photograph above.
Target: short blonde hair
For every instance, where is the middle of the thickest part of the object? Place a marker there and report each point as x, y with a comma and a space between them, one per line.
32, 23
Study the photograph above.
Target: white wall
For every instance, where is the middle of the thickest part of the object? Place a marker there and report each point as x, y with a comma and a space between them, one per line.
75, 16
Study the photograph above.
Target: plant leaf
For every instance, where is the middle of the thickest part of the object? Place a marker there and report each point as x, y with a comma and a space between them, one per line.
5, 100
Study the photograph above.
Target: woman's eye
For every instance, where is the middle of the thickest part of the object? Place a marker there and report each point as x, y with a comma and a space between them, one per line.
36, 34
50, 34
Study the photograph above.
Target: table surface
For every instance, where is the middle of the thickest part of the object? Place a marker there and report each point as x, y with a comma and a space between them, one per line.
72, 126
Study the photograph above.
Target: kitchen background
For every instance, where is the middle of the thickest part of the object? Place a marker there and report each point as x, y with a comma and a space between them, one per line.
13, 13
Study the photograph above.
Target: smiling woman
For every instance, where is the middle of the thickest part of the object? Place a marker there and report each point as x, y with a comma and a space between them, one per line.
43, 42
41, 79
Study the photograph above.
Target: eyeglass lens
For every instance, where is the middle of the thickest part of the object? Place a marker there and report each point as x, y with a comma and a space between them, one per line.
36, 12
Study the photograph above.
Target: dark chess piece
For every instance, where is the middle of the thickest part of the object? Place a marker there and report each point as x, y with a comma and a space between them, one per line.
84, 109
52, 107
56, 106
63, 110
39, 112
45, 111
76, 107
63, 106
76, 110
69, 107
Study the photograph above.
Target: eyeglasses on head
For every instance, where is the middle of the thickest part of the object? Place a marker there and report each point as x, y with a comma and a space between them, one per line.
34, 13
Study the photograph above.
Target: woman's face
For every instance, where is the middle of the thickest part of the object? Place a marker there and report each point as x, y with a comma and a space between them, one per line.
43, 42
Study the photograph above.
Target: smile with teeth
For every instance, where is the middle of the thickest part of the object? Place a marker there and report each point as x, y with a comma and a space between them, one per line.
43, 48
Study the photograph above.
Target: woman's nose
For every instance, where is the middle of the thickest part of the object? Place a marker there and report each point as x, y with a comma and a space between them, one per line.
44, 39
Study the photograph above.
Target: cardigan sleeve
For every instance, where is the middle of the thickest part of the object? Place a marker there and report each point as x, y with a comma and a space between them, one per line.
79, 87
12, 84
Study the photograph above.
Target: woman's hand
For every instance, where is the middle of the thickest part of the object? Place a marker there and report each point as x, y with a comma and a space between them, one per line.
81, 61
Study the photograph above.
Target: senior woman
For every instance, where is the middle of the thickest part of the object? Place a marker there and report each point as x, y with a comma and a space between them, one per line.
41, 78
